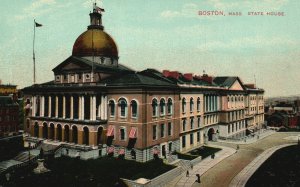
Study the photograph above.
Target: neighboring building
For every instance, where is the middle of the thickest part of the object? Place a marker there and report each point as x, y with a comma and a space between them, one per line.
96, 102
232, 115
283, 114
9, 116
7, 89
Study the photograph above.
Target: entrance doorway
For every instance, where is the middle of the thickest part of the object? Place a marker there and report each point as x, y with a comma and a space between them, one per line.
210, 134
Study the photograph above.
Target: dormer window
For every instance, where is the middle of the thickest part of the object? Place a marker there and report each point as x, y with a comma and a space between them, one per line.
87, 76
57, 77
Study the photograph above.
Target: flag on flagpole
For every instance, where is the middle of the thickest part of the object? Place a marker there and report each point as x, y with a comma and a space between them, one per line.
98, 9
37, 24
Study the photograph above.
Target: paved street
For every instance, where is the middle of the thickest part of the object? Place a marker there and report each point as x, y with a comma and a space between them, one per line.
221, 174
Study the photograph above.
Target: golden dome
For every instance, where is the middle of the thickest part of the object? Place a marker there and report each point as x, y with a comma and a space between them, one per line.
104, 45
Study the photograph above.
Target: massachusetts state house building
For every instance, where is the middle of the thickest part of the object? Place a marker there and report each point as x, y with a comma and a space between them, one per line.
95, 106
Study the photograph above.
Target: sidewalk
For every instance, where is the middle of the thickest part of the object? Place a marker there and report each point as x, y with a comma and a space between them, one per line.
201, 168
255, 138
241, 179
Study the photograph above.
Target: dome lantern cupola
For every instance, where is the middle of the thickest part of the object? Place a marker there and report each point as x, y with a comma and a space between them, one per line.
95, 44
96, 18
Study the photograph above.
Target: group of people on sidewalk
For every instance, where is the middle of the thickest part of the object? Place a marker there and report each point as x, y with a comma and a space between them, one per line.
197, 175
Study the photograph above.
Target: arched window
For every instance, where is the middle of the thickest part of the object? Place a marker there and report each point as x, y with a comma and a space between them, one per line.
133, 109
170, 106
123, 107
183, 104
198, 104
162, 105
154, 107
112, 107
191, 104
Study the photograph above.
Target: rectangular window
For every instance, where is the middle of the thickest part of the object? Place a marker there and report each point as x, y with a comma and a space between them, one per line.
154, 131
192, 123
228, 128
183, 142
199, 121
191, 138
183, 124
169, 129
122, 134
198, 136
162, 130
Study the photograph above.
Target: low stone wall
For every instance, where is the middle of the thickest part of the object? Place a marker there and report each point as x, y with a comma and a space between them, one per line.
196, 160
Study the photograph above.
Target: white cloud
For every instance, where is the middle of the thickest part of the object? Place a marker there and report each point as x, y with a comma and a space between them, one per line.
248, 42
37, 8
188, 10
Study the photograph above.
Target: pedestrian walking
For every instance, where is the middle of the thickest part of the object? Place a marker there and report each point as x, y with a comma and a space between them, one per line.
237, 147
213, 156
198, 178
187, 173
192, 166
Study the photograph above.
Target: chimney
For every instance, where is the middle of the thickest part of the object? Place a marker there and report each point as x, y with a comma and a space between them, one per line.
174, 74
188, 76
166, 73
197, 77
250, 86
207, 78
170, 74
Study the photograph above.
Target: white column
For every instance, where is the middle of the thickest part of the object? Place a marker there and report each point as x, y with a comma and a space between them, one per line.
82, 107
91, 108
64, 107
105, 107
42, 106
94, 107
49, 107
71, 109
56, 106
102, 107
33, 106
79, 108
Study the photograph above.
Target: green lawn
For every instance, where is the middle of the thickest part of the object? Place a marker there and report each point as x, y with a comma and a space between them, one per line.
203, 151
100, 172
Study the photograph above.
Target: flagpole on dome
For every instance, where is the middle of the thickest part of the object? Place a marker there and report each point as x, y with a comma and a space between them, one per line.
35, 24
93, 58
33, 55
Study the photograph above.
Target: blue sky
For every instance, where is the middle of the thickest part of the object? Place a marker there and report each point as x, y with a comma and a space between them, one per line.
159, 34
